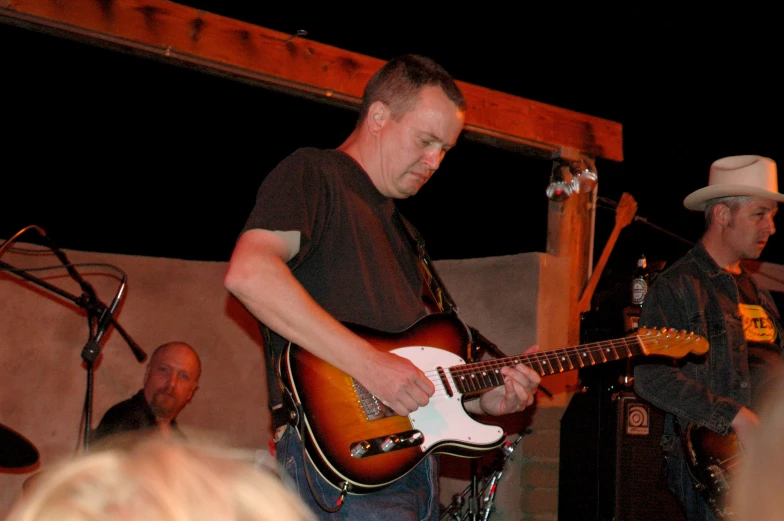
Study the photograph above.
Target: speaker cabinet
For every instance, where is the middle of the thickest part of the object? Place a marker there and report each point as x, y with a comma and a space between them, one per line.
611, 462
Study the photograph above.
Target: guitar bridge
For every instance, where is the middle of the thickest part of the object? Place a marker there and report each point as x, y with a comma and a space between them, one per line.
386, 444
371, 407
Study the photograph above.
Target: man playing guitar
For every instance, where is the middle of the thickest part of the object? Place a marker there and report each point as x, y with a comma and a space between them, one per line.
710, 400
325, 246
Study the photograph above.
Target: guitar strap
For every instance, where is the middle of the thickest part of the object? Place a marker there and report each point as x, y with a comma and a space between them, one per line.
435, 292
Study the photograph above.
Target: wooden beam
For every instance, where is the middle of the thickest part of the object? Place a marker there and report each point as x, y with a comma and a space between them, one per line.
184, 36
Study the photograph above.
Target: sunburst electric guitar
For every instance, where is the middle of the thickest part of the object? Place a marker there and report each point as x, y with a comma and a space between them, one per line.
713, 460
356, 444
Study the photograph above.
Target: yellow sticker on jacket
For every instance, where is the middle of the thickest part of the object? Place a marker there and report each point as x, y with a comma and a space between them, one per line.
757, 325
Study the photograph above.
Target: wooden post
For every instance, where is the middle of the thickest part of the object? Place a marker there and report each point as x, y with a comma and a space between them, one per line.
569, 234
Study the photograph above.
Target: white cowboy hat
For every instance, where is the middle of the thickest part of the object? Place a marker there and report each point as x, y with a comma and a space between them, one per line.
737, 175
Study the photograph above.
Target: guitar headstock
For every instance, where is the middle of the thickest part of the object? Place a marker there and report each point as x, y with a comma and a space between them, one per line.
671, 342
624, 212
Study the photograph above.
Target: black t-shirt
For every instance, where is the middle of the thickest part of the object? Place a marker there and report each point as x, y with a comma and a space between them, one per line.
764, 354
355, 258
133, 414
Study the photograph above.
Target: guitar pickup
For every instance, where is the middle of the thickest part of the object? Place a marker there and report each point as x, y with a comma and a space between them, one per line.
386, 444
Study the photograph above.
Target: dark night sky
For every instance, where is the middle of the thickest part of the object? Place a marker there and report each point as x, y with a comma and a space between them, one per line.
111, 152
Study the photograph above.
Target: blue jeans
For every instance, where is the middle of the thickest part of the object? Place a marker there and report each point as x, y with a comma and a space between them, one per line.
414, 497
680, 483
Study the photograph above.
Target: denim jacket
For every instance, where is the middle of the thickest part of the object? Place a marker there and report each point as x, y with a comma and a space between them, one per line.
696, 295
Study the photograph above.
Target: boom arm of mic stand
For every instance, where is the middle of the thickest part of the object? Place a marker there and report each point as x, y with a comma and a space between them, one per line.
137, 351
660, 229
140, 355
60, 254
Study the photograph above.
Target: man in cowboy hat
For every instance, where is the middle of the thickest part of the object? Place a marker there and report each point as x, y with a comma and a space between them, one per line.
709, 292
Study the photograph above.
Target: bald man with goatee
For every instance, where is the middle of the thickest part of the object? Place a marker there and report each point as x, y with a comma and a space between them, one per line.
170, 381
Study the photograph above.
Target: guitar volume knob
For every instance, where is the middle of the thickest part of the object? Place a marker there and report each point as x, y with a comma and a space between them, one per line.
390, 443
415, 439
359, 449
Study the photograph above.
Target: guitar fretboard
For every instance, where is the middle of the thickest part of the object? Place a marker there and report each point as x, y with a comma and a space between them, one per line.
484, 375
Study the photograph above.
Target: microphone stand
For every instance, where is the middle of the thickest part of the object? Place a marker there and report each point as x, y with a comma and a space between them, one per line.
90, 352
612, 205
95, 309
137, 351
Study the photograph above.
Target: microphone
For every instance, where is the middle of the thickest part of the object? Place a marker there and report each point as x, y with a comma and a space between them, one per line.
88, 300
95, 307
92, 348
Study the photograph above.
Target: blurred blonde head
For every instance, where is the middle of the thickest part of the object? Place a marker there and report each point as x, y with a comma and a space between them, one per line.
757, 488
158, 480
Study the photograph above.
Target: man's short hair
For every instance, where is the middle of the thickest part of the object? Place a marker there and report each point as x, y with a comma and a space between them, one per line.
399, 81
733, 202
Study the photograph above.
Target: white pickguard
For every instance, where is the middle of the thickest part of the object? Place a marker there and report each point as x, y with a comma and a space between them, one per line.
443, 419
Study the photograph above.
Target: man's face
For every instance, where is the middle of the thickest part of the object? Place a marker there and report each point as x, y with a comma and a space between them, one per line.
171, 378
750, 227
411, 148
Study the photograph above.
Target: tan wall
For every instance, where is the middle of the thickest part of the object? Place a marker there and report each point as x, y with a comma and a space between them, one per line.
42, 337
515, 301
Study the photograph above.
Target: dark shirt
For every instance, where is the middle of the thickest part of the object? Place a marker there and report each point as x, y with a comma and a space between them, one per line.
695, 294
133, 414
355, 258
765, 362
358, 262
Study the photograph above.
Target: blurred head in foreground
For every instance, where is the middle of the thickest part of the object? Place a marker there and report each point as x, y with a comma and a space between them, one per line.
756, 490
159, 480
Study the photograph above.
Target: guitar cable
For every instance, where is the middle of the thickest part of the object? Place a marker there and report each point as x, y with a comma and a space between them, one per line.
343, 489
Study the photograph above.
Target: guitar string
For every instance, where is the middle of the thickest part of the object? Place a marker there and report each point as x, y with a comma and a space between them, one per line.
597, 352
734, 459
485, 374
545, 357
551, 362
480, 375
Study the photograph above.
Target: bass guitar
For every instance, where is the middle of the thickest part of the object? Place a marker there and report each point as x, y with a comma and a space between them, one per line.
712, 459
359, 445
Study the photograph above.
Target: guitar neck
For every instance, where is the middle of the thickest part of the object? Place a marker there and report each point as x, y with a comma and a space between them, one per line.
479, 376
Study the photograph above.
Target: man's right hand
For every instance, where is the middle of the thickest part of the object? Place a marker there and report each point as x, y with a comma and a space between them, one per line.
397, 383
260, 279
